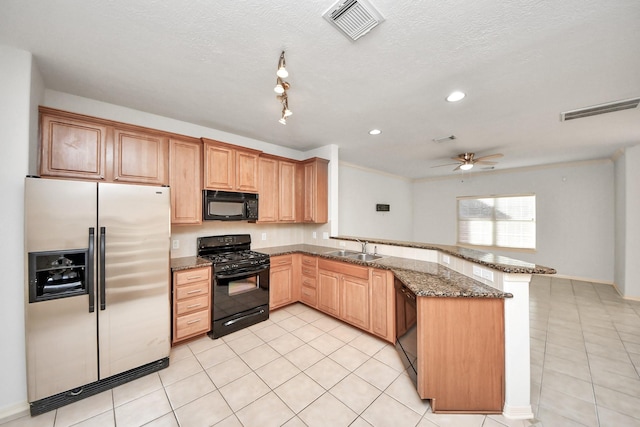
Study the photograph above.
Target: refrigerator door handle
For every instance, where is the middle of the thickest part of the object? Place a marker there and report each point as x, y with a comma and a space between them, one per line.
101, 282
90, 264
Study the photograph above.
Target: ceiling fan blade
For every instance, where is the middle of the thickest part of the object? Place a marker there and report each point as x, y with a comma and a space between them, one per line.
484, 162
490, 156
458, 168
448, 164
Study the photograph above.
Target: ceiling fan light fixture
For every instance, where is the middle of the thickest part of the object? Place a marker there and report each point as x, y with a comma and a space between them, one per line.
456, 96
375, 132
466, 166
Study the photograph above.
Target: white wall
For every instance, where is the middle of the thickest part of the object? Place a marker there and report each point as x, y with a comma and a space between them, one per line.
575, 213
20, 89
360, 190
627, 248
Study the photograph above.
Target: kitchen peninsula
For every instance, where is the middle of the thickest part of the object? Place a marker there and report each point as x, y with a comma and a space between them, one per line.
458, 275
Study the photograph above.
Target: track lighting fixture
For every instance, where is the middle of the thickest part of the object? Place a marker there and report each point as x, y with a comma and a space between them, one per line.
281, 89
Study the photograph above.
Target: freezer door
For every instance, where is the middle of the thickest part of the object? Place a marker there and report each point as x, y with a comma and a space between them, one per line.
133, 308
60, 333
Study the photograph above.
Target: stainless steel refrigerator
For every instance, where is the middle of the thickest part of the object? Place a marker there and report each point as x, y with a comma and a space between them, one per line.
97, 287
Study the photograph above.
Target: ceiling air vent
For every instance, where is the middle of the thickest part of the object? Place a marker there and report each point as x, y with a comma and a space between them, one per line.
354, 18
600, 109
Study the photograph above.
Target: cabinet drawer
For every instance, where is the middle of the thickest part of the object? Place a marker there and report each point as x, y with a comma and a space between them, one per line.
310, 261
309, 272
192, 304
309, 282
190, 324
308, 295
281, 260
189, 291
192, 275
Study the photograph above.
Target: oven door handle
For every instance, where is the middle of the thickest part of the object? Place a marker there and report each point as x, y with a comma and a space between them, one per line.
244, 273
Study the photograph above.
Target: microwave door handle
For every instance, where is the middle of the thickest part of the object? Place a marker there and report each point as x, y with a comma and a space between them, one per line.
101, 282
90, 264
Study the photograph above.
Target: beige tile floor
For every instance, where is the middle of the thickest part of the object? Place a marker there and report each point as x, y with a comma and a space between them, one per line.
303, 368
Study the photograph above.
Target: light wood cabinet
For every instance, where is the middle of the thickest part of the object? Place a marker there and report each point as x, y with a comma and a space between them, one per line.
283, 287
316, 190
328, 291
355, 301
309, 278
382, 300
461, 353
230, 168
277, 189
82, 147
185, 178
72, 147
140, 157
191, 303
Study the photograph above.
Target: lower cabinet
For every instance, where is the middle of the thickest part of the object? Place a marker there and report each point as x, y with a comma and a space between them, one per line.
191, 303
283, 286
309, 280
361, 296
461, 354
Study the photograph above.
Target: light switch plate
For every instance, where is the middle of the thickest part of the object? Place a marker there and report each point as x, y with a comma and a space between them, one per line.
176, 244
264, 236
477, 271
315, 235
446, 259
325, 235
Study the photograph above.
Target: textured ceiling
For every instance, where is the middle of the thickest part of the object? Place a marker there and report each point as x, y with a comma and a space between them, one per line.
213, 63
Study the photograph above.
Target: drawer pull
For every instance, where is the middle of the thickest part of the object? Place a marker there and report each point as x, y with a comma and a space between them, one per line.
195, 291
193, 277
193, 306
191, 322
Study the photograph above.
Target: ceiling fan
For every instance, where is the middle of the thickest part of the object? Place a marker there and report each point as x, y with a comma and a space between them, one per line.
467, 160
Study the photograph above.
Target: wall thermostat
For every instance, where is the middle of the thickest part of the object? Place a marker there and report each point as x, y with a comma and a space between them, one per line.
382, 208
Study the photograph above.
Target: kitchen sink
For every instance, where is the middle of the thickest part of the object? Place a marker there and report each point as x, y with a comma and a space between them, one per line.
343, 253
365, 257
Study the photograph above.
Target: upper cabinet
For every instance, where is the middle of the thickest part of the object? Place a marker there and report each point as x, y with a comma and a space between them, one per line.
82, 147
185, 178
72, 148
230, 168
140, 157
277, 189
316, 189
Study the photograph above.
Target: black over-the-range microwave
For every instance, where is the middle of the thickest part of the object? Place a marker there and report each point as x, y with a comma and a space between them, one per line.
229, 206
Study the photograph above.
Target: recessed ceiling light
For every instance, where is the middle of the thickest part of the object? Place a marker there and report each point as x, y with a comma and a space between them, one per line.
456, 96
375, 132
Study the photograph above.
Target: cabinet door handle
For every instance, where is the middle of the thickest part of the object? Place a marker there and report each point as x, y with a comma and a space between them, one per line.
191, 322
195, 291
193, 306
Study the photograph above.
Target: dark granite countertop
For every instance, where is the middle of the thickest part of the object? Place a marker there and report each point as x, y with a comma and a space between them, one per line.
424, 278
497, 262
188, 262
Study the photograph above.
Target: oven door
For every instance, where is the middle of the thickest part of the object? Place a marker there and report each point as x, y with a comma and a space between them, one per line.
240, 299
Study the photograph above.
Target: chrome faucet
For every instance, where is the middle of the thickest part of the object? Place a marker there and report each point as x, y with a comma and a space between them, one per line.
364, 246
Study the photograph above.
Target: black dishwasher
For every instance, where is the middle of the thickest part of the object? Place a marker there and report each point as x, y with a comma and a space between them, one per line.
406, 328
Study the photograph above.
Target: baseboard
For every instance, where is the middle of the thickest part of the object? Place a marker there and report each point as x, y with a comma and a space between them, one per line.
583, 279
602, 282
518, 412
14, 412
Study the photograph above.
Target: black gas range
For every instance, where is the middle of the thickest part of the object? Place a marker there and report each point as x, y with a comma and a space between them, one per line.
240, 296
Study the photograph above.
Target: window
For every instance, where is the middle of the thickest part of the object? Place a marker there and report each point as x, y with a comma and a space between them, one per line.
498, 221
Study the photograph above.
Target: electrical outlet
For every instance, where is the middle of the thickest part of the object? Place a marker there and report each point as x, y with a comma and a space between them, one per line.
477, 271
315, 235
446, 259
264, 236
325, 235
176, 244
